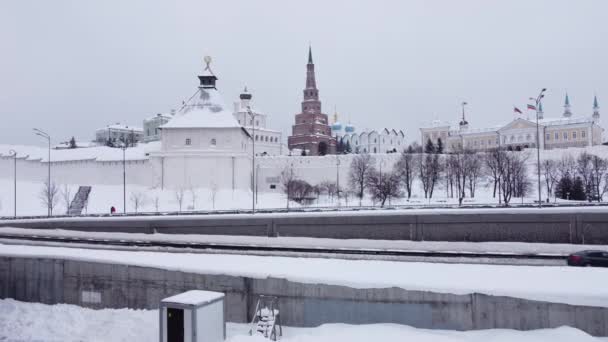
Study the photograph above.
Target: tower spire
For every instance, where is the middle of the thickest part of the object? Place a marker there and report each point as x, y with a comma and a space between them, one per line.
310, 54
567, 112
596, 109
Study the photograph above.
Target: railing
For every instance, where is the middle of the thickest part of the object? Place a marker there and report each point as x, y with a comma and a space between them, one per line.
343, 208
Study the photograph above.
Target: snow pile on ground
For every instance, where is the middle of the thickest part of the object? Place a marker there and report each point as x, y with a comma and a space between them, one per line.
558, 284
45, 323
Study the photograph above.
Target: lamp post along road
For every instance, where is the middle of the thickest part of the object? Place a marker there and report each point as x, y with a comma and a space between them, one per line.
13, 153
253, 187
45, 135
537, 101
124, 179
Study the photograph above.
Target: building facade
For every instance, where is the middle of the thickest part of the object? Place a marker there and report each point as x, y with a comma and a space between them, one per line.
203, 145
152, 126
268, 142
375, 141
311, 132
563, 132
117, 134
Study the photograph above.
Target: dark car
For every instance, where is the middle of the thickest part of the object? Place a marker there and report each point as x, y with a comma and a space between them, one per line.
588, 258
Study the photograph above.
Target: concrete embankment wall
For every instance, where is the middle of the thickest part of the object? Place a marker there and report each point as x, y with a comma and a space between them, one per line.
100, 285
549, 226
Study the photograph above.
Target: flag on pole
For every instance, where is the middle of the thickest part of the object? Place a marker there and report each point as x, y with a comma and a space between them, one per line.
516, 110
531, 107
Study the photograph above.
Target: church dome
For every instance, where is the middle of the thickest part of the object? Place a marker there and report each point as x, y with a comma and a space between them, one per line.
336, 127
349, 128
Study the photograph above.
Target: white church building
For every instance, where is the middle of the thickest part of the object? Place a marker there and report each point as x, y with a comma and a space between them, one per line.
203, 145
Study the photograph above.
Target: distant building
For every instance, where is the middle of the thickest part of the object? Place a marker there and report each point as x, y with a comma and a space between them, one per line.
118, 133
381, 141
152, 126
520, 133
311, 131
267, 141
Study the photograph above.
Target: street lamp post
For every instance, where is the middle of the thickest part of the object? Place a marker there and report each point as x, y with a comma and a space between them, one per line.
45, 135
338, 177
537, 101
13, 153
124, 179
253, 187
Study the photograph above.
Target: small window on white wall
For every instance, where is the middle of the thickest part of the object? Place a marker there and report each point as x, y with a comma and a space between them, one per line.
213, 142
188, 142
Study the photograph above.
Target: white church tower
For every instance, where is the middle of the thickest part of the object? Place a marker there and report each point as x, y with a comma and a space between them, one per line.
203, 145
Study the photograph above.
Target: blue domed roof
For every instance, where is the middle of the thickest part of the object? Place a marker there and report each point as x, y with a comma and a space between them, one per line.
336, 126
349, 128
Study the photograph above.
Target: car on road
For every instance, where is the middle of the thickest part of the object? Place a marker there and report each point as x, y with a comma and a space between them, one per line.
588, 258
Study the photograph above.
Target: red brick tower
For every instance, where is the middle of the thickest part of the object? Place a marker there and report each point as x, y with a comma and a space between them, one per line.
311, 131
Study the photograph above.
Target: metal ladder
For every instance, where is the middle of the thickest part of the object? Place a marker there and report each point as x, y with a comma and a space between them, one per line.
266, 319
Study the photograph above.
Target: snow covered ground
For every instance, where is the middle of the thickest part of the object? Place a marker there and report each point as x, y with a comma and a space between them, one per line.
50, 323
559, 284
103, 197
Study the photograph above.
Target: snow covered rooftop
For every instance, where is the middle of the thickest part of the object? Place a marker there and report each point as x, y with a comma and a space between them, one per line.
205, 109
564, 121
121, 127
194, 297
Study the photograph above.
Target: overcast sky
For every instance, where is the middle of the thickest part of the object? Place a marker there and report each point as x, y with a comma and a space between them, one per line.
70, 67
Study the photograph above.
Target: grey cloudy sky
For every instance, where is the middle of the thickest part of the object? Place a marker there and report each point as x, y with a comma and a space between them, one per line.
71, 67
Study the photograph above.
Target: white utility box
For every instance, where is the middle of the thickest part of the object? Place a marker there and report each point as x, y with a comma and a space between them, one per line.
193, 316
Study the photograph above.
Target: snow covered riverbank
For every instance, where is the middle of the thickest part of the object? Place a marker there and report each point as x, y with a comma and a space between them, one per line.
49, 323
558, 284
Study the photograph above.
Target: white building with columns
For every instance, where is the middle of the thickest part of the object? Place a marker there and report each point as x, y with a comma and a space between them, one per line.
520, 133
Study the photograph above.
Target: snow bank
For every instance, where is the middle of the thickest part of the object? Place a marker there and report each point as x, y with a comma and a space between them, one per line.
38, 322
568, 285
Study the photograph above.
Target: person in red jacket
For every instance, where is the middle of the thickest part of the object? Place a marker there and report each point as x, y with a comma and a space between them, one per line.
112, 210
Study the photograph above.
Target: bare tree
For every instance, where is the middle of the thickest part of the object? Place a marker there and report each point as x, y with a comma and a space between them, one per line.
549, 172
429, 169
300, 190
360, 168
514, 178
288, 177
383, 186
494, 166
473, 170
66, 197
156, 204
599, 166
193, 197
583, 169
566, 165
406, 168
179, 197
138, 199
49, 196
213, 194
328, 188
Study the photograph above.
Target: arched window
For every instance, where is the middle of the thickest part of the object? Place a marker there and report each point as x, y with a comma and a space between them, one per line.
213, 142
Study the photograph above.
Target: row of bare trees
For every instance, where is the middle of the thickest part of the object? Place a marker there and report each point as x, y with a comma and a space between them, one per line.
461, 172
589, 170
